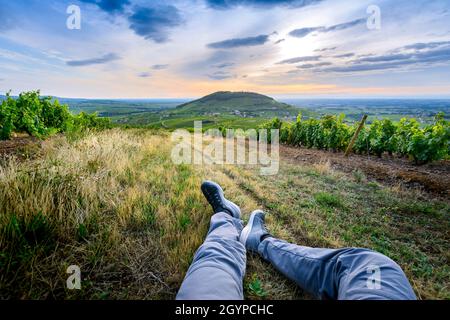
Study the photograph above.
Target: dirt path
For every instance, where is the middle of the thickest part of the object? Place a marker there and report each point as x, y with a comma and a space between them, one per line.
433, 178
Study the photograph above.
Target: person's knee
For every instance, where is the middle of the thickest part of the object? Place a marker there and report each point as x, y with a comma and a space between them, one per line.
368, 254
368, 260
376, 255
372, 275
224, 223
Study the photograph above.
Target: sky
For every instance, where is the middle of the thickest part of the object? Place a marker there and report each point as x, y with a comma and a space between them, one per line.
187, 49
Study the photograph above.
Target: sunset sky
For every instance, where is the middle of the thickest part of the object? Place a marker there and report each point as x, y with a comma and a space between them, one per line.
186, 49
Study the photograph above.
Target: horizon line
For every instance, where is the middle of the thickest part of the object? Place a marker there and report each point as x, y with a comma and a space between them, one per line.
278, 97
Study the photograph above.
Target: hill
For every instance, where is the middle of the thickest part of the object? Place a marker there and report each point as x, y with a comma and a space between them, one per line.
220, 109
245, 104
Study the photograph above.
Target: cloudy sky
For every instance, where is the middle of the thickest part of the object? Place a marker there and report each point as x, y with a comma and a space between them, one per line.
185, 49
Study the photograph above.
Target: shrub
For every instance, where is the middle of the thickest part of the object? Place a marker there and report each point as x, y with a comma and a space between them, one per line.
91, 121
430, 143
42, 116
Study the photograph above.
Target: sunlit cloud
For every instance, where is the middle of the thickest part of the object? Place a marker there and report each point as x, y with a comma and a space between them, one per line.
300, 59
303, 32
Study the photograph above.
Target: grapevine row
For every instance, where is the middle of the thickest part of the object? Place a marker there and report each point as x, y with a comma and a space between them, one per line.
42, 116
407, 137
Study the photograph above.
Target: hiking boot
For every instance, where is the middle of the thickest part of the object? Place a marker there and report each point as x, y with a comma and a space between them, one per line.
255, 231
214, 194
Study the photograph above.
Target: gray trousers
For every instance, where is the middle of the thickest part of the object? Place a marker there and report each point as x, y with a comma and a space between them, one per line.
218, 268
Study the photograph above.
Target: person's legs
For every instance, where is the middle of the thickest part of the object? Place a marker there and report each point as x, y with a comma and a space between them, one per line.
344, 274
218, 268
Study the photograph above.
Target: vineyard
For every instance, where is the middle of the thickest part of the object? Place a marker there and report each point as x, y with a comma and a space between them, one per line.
407, 138
42, 116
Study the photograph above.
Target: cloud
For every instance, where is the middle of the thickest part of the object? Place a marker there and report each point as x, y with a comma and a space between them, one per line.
303, 32
364, 67
325, 49
345, 55
144, 75
102, 60
314, 65
228, 4
160, 66
151, 22
300, 59
429, 45
154, 22
346, 25
110, 6
223, 65
221, 75
385, 58
240, 42
395, 61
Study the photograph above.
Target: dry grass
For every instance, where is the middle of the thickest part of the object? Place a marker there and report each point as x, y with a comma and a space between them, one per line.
111, 203
323, 167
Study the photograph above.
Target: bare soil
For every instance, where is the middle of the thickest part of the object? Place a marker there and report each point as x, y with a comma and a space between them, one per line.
21, 146
433, 178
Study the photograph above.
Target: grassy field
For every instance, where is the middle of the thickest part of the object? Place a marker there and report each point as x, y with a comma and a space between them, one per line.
114, 204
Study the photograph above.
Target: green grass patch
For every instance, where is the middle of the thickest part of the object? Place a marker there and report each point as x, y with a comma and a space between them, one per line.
328, 200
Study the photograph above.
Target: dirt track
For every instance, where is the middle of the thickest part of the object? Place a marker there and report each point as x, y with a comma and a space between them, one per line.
433, 178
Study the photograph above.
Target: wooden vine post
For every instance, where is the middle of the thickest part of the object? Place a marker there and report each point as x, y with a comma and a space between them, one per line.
355, 136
